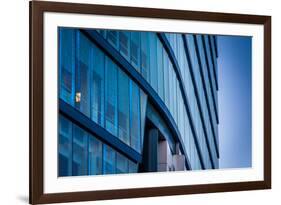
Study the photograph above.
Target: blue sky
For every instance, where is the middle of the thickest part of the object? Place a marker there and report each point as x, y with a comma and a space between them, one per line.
234, 78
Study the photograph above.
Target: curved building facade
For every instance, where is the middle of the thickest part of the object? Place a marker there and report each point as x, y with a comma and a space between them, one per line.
136, 102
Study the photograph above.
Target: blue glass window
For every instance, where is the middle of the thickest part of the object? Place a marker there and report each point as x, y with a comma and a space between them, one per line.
97, 103
65, 147
79, 161
67, 64
170, 77
123, 107
102, 32
121, 164
143, 105
145, 55
82, 95
135, 117
160, 71
112, 37
95, 156
166, 78
133, 167
135, 50
153, 60
109, 160
178, 94
124, 44
175, 95
110, 97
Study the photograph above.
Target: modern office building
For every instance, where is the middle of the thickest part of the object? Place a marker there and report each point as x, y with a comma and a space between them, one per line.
136, 102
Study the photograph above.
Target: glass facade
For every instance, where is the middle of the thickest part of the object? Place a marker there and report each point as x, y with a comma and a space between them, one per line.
81, 153
182, 73
101, 90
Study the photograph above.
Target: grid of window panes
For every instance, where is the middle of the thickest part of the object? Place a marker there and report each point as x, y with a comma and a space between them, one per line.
210, 50
193, 41
212, 125
146, 53
81, 153
99, 89
176, 42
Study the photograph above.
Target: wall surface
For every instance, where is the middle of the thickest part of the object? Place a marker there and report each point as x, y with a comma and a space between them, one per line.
14, 81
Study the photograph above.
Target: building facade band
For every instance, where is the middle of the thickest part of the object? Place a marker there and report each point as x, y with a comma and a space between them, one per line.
136, 102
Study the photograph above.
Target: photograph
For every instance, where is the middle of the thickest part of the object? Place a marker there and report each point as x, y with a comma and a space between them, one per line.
129, 102
143, 101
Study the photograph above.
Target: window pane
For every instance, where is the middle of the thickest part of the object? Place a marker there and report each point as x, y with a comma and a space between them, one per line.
153, 60
143, 100
109, 164
84, 55
102, 32
65, 147
166, 78
135, 117
121, 164
67, 64
123, 106
111, 97
133, 167
135, 50
98, 86
112, 37
175, 99
170, 76
145, 55
160, 69
124, 47
79, 161
95, 156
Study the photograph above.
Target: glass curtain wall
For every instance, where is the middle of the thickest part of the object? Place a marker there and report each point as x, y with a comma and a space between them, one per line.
115, 102
97, 86
156, 67
81, 153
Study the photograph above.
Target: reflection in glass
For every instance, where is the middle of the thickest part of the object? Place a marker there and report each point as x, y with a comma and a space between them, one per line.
95, 156
145, 55
82, 93
111, 97
124, 47
135, 50
79, 161
153, 60
67, 64
123, 107
109, 157
97, 90
65, 147
135, 117
121, 164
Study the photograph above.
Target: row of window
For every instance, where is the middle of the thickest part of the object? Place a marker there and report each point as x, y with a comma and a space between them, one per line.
92, 83
176, 42
160, 70
210, 120
96, 86
210, 52
80, 153
202, 100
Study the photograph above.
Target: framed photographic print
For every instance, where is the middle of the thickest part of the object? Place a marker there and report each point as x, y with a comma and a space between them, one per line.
139, 102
